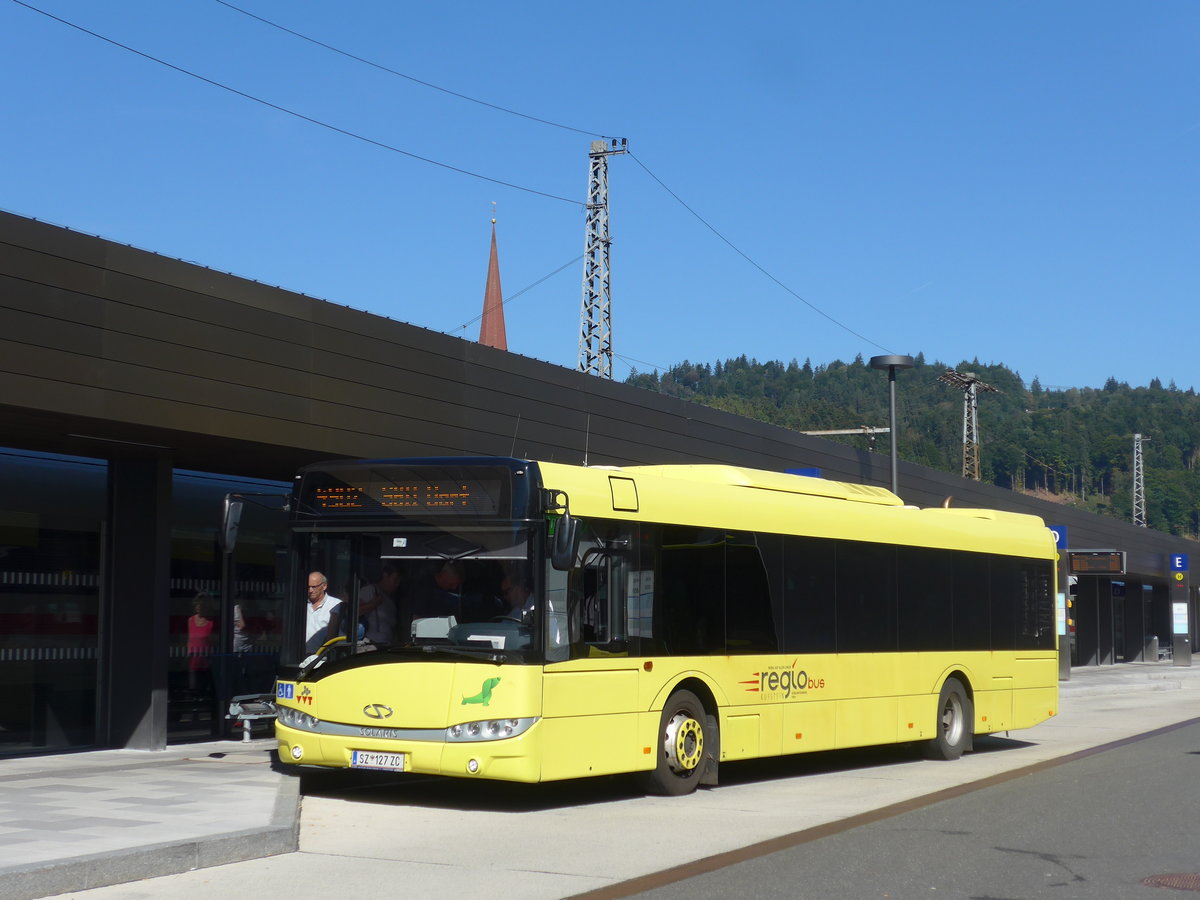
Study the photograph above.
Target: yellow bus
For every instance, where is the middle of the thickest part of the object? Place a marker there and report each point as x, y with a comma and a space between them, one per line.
548, 621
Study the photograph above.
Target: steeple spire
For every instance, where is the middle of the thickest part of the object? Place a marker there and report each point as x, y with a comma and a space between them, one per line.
491, 328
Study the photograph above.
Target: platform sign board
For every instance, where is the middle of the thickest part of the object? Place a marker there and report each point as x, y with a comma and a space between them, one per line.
1097, 562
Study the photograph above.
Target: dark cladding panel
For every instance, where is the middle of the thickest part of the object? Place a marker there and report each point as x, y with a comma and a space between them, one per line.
195, 306
52, 270
171, 328
53, 304
52, 375
206, 373
22, 232
37, 330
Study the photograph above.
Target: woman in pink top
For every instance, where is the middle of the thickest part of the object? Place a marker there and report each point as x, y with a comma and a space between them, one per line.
200, 629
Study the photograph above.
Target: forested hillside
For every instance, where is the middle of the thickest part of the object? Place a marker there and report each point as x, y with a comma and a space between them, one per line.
1073, 445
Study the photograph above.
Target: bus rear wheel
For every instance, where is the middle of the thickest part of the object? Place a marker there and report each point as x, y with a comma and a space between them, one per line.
955, 722
684, 731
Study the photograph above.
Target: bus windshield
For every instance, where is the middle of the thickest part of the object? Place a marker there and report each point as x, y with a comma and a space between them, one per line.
469, 588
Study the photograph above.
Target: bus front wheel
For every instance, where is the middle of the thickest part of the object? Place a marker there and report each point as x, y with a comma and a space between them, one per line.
955, 722
683, 732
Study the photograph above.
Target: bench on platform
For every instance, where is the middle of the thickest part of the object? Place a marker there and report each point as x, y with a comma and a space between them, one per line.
249, 708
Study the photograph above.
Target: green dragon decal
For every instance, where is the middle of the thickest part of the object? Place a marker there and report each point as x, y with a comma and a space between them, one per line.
485, 694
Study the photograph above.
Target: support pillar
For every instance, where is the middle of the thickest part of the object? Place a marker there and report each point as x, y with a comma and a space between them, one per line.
1087, 620
1135, 646
1104, 621
136, 603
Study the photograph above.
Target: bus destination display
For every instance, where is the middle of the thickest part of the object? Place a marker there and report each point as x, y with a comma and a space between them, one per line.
417, 496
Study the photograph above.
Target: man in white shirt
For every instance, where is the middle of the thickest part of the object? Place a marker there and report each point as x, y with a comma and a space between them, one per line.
324, 613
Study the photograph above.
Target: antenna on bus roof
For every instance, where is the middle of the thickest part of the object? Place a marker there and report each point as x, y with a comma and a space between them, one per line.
587, 438
513, 450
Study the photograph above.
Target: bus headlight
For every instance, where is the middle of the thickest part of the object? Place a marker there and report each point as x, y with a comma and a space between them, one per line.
293, 718
488, 730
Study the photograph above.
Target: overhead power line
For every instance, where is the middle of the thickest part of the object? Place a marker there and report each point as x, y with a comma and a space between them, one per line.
428, 160
542, 121
391, 71
298, 115
629, 360
747, 258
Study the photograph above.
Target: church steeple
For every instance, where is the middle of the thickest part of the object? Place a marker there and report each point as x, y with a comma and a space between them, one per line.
491, 327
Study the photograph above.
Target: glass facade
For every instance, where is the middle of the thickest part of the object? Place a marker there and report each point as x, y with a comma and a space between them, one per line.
51, 534
223, 615
225, 626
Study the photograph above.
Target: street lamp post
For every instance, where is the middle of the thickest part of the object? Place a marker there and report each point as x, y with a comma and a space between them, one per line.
892, 363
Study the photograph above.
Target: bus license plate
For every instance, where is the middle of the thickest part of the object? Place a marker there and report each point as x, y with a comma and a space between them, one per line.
370, 759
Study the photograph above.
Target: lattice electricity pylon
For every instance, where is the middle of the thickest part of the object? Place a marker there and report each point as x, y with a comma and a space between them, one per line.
595, 315
1139, 486
970, 385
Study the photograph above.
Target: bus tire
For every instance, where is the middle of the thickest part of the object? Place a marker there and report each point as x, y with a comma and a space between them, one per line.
685, 733
955, 722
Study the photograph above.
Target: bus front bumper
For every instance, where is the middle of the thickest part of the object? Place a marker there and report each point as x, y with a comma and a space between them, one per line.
505, 759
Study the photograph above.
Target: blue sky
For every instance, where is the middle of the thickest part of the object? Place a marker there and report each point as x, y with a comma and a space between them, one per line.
1010, 181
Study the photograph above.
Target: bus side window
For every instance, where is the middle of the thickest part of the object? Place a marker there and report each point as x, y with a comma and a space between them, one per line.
692, 588
749, 619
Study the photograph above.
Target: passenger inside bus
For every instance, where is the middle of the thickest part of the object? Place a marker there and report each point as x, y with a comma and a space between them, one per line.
379, 607
517, 598
441, 595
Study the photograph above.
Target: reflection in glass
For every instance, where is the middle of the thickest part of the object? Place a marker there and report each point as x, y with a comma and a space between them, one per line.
50, 539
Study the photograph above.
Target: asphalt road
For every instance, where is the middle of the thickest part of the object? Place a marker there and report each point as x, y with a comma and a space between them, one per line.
1095, 827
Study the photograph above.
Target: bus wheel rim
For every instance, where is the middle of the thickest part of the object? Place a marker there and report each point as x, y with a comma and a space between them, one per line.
685, 743
952, 720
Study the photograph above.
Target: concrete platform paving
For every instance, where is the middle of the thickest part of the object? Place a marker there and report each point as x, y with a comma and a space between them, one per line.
76, 822
79, 820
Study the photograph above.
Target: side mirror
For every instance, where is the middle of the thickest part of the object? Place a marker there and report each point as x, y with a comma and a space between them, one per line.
564, 542
230, 520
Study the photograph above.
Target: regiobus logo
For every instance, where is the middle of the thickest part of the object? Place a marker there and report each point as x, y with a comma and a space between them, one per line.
783, 680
